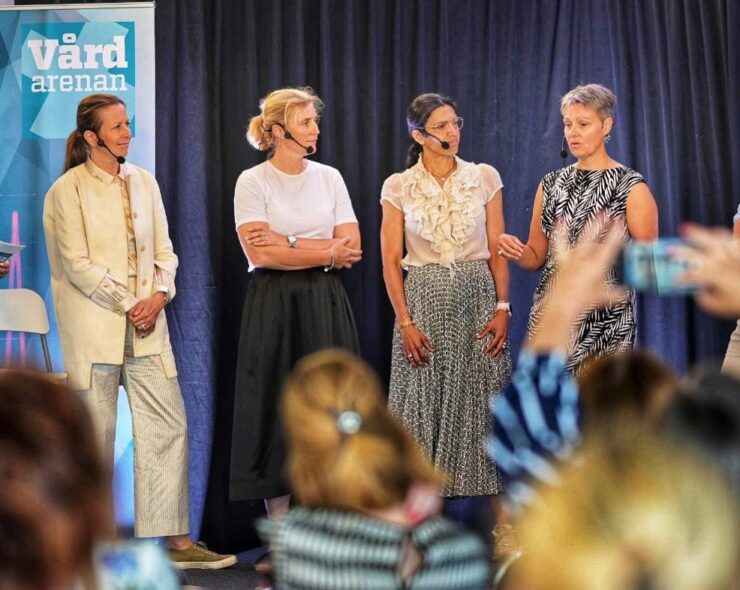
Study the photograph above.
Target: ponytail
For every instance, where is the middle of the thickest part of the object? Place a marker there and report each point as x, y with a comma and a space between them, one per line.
257, 135
76, 151
412, 157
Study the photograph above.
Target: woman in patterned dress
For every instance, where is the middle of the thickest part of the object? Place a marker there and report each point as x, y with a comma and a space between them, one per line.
452, 312
579, 199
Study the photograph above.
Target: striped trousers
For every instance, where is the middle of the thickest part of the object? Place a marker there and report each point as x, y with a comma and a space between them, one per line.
159, 425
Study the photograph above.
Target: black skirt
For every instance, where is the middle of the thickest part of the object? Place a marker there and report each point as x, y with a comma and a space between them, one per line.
287, 315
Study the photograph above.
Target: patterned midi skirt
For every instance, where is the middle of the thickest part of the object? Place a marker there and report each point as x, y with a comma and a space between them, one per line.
445, 403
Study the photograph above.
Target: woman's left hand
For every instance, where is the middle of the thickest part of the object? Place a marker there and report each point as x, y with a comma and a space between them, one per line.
264, 236
498, 327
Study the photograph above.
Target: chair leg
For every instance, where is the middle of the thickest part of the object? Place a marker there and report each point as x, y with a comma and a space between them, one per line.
47, 356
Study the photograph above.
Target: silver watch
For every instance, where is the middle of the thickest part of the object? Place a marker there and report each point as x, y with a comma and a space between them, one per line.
292, 241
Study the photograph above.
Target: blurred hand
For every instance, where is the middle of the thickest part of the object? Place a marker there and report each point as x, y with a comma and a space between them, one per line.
580, 281
4, 268
579, 284
714, 267
422, 501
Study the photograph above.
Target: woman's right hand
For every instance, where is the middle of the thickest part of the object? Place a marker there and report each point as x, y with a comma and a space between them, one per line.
416, 346
344, 256
510, 247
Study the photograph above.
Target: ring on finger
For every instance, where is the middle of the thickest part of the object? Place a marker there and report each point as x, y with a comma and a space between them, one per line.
409, 356
500, 252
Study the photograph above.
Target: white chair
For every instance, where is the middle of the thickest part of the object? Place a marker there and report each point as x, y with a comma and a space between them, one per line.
23, 310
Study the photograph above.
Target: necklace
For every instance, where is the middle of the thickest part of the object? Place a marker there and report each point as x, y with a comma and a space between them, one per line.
444, 177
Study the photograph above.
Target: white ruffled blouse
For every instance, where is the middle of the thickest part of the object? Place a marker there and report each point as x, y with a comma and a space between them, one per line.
443, 225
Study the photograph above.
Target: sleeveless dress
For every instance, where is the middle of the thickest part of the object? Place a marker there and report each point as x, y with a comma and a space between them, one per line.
577, 202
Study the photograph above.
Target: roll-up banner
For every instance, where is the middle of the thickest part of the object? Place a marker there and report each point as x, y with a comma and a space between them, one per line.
50, 58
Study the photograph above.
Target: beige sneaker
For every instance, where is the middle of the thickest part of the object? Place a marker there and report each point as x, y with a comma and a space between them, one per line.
199, 557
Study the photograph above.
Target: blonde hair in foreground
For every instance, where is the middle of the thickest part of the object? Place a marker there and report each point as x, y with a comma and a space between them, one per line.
276, 109
370, 469
643, 516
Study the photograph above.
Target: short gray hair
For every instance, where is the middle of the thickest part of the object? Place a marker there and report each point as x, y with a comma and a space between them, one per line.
596, 96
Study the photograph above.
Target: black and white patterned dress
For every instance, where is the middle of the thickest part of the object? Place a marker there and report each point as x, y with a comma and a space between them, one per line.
577, 202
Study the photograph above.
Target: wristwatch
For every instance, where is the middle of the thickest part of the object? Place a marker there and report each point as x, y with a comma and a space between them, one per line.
292, 241
505, 306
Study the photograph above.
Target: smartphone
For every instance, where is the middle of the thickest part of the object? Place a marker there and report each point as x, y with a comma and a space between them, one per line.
648, 267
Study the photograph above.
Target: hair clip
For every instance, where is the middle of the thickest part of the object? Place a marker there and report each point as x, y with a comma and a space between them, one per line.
349, 422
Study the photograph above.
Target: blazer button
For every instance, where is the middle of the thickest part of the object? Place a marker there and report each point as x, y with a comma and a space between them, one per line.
136, 215
143, 282
142, 247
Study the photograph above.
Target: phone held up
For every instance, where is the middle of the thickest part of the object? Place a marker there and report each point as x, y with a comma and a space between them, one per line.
649, 267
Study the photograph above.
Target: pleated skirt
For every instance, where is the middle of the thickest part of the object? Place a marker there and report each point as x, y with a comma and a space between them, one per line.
445, 403
287, 315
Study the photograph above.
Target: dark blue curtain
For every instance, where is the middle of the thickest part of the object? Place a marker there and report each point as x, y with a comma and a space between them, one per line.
674, 65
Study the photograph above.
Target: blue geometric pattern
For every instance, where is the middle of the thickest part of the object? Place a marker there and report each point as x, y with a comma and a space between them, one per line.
64, 61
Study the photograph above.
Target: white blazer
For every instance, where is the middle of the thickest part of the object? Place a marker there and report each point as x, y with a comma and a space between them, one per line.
86, 238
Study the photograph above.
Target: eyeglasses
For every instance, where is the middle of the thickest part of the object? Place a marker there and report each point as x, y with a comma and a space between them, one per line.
439, 127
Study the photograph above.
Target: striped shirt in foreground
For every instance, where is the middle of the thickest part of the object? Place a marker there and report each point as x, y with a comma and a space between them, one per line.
327, 549
537, 423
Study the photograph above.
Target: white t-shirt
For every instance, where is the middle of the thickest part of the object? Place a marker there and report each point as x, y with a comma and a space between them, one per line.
443, 225
306, 205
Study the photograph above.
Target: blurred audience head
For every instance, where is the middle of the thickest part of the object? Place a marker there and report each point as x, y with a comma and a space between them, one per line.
644, 516
625, 394
55, 501
705, 418
345, 450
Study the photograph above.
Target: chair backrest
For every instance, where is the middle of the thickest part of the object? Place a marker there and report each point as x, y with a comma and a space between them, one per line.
23, 310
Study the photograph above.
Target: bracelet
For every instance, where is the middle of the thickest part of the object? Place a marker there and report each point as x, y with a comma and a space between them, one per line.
405, 322
333, 261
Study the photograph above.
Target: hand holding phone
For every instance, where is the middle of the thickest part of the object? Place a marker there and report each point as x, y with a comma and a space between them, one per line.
713, 267
651, 267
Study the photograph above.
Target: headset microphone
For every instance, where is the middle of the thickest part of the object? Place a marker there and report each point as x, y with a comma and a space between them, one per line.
445, 145
563, 150
119, 159
288, 135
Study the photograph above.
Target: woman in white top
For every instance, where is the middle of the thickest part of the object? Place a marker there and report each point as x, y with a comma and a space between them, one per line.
450, 342
296, 225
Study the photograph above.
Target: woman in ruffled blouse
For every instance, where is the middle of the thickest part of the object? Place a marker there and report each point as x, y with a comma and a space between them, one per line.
452, 312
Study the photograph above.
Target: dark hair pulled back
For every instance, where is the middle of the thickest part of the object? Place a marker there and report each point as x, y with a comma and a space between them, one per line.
419, 111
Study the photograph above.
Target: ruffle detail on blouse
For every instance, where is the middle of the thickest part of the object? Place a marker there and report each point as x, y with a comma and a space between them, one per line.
445, 216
